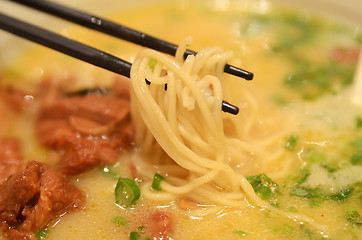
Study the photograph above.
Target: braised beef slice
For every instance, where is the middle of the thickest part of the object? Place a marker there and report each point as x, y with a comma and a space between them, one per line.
10, 159
85, 130
31, 198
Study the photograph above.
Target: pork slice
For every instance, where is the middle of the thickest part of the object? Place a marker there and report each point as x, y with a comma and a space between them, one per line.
31, 198
99, 108
86, 131
10, 158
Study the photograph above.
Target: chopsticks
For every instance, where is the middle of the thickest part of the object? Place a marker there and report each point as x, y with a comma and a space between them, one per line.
65, 45
75, 49
117, 30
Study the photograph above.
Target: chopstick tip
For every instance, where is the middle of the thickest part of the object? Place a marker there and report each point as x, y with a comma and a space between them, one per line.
229, 108
239, 72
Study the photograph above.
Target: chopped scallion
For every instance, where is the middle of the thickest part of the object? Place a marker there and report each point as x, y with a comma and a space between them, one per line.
134, 236
241, 233
120, 221
156, 183
359, 122
152, 63
356, 158
140, 228
265, 187
126, 192
357, 143
41, 234
354, 217
285, 229
292, 142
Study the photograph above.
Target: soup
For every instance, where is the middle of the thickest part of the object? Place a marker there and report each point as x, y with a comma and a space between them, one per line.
295, 146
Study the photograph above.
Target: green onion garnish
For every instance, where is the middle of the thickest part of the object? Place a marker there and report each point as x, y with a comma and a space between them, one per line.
41, 234
152, 63
140, 228
126, 192
359, 122
134, 236
156, 183
292, 142
120, 221
241, 233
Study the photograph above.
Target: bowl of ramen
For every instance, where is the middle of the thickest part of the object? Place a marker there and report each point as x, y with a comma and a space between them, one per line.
89, 154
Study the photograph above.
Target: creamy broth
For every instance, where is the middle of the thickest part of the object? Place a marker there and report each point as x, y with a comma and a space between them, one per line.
303, 68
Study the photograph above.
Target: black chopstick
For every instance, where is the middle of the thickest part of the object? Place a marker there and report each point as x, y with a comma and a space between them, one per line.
76, 49
116, 30
65, 45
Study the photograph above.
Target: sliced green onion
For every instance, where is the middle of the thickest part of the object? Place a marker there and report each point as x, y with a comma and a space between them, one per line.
292, 142
285, 229
126, 192
134, 236
120, 221
156, 183
241, 233
152, 63
354, 217
140, 228
265, 187
41, 234
359, 122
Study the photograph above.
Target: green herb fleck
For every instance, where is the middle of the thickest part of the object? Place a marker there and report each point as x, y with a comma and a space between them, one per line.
307, 192
354, 217
152, 63
342, 194
317, 158
140, 228
315, 202
120, 221
134, 236
356, 158
156, 183
292, 142
41, 234
285, 229
292, 209
316, 193
126, 192
357, 143
265, 187
359, 122
313, 80
241, 233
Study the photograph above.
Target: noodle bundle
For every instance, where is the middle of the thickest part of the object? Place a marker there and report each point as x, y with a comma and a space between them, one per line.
187, 122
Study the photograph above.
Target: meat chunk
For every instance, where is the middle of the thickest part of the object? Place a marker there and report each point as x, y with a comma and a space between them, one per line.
161, 225
31, 198
10, 158
95, 107
85, 130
